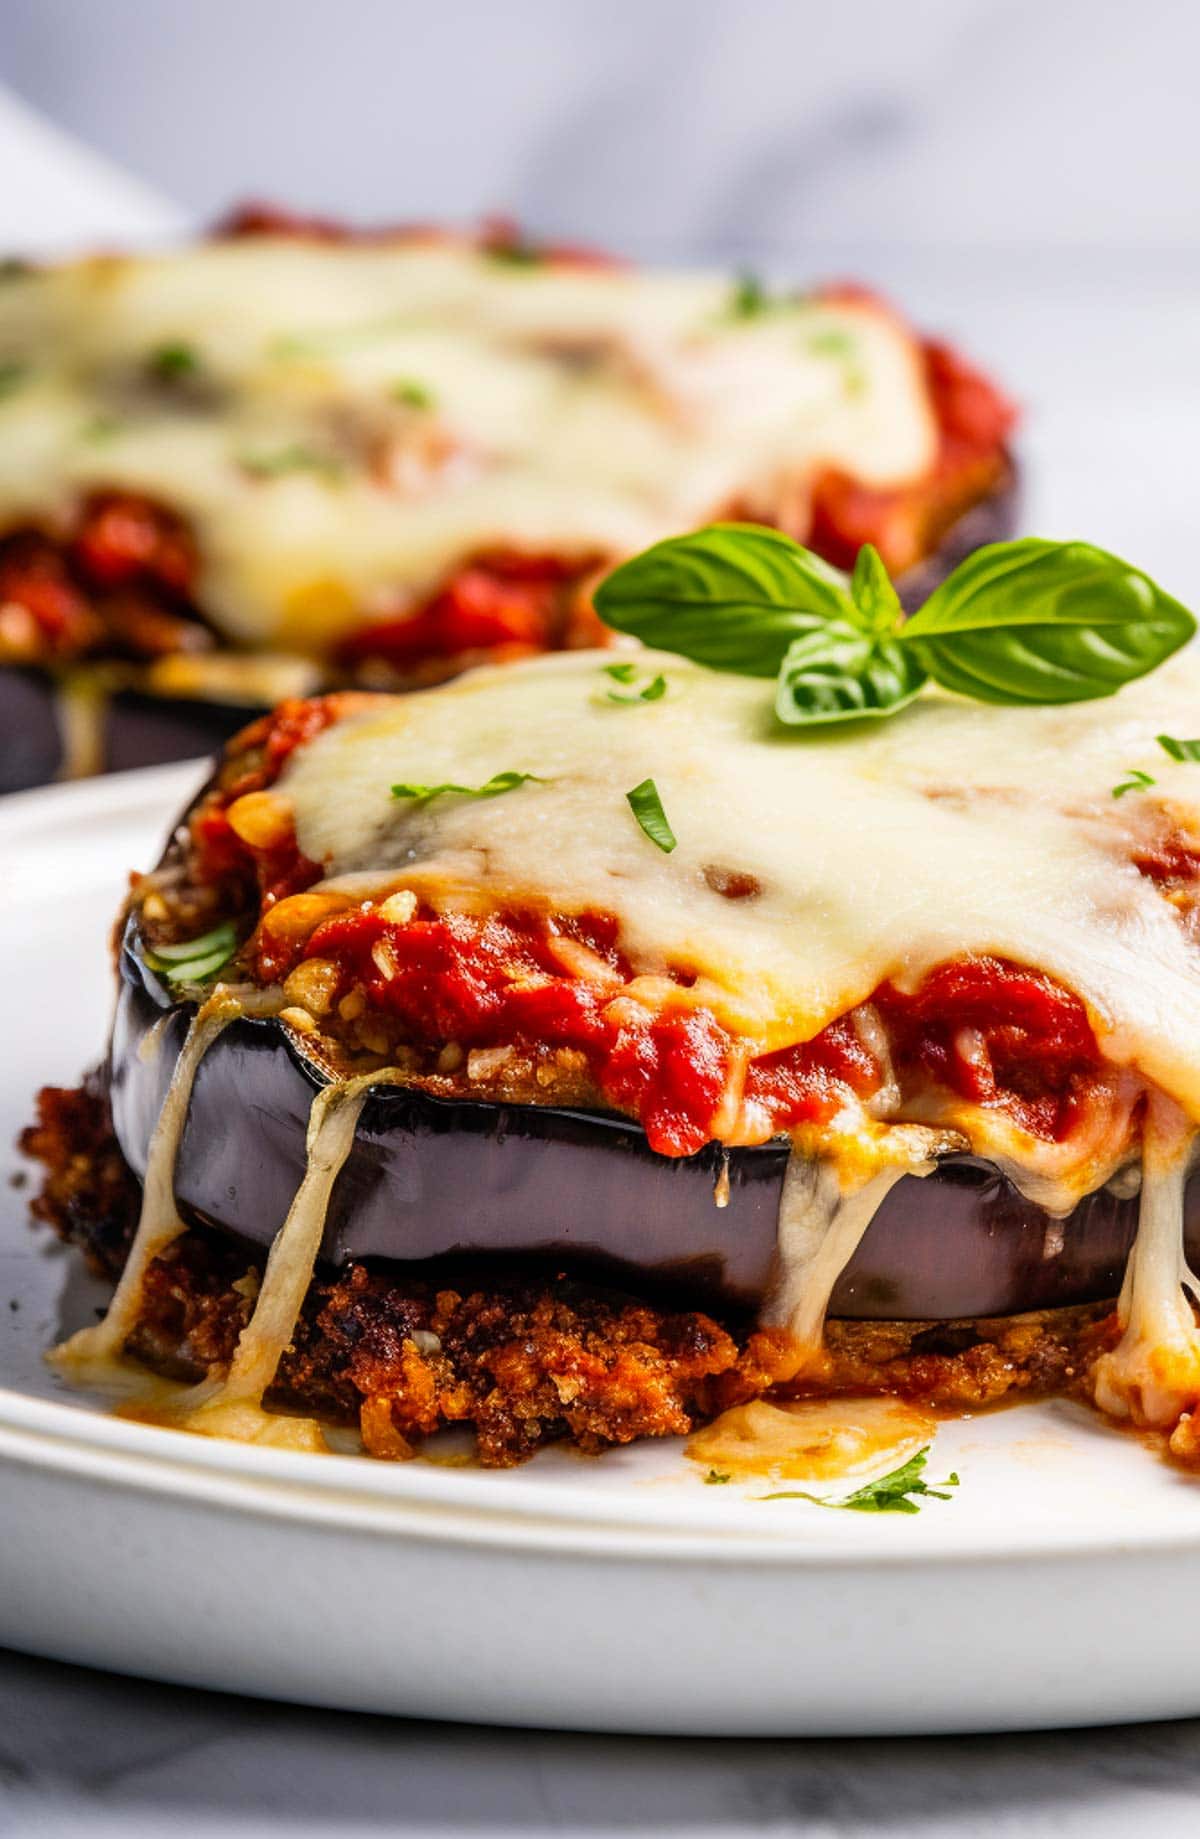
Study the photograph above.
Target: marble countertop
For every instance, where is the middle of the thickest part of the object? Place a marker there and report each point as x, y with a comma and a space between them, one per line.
85, 1755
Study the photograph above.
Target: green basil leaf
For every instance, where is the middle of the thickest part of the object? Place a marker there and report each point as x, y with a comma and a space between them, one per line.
732, 596
647, 807
1179, 750
840, 674
876, 602
499, 782
1039, 622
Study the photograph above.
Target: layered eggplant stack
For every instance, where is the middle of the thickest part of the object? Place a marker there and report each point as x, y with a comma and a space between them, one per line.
593, 1045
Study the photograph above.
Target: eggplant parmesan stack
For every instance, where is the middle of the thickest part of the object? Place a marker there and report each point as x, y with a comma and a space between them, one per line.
593, 1046
292, 459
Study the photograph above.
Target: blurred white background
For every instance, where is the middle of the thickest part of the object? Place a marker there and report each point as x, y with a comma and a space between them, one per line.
665, 127
1024, 174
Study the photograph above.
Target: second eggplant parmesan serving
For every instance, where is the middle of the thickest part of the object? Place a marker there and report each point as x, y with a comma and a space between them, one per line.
291, 459
803, 1001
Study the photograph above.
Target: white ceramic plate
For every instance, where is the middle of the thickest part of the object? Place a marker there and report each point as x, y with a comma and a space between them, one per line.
1058, 1585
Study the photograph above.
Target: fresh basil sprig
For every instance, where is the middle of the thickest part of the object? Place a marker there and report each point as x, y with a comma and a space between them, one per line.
1023, 622
839, 673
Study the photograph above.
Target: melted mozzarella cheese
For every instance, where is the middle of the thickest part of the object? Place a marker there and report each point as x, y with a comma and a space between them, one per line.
582, 412
949, 829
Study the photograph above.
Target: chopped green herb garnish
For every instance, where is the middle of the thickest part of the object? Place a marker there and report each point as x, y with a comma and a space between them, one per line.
173, 360
647, 807
1179, 750
294, 459
12, 374
895, 1492
196, 960
716, 1478
1137, 781
412, 394
100, 428
750, 298
837, 343
831, 342
654, 691
499, 782
516, 253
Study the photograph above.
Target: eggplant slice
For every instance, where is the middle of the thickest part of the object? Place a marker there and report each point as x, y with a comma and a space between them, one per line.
430, 1178
141, 730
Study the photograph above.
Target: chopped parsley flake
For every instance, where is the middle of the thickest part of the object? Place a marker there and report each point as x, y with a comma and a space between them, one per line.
895, 1492
716, 1478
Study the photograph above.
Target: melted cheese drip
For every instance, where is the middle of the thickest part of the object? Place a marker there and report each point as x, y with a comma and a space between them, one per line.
159, 1224
232, 1406
1153, 1375
825, 1209
948, 831
581, 412
81, 713
816, 1439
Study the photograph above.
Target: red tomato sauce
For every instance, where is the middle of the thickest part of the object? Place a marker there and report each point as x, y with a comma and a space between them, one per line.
507, 604
1000, 1034
991, 1031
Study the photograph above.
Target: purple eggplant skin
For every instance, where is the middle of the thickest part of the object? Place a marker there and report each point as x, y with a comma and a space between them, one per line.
141, 730
137, 730
433, 1178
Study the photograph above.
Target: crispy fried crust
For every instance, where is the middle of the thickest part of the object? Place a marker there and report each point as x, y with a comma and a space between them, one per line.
524, 1359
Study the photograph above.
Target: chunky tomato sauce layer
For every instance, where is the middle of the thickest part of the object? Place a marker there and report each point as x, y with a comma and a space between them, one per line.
990, 1031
